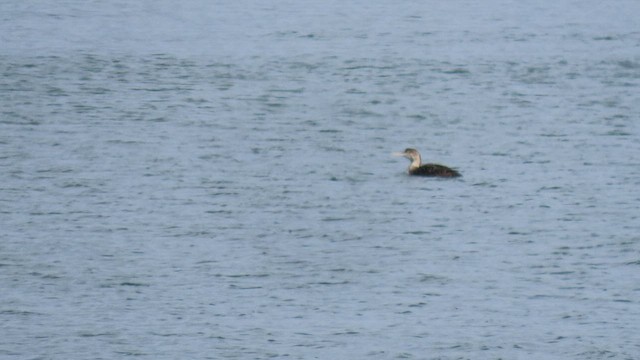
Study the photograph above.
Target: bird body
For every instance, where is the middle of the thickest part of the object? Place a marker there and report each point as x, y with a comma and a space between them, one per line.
419, 169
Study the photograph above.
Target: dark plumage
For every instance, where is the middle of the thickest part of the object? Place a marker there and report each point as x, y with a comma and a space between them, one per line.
418, 169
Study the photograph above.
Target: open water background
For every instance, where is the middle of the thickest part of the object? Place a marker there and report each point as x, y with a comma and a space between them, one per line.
213, 180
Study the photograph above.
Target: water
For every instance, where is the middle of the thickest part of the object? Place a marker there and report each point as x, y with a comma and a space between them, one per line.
213, 180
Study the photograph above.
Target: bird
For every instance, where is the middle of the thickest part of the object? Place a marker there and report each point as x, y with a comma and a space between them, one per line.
419, 169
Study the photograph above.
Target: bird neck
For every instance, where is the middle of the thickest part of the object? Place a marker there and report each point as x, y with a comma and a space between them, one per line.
415, 162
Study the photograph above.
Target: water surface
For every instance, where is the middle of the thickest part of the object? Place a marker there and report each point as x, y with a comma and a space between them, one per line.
207, 180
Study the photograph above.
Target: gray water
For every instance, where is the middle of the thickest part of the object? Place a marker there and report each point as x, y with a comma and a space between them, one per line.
213, 180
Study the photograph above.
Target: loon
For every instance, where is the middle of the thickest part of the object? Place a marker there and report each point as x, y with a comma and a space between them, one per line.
416, 167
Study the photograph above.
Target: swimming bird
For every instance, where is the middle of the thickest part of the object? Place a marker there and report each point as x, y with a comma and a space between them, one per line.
417, 168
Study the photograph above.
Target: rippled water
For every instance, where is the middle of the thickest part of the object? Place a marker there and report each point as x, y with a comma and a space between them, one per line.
207, 180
